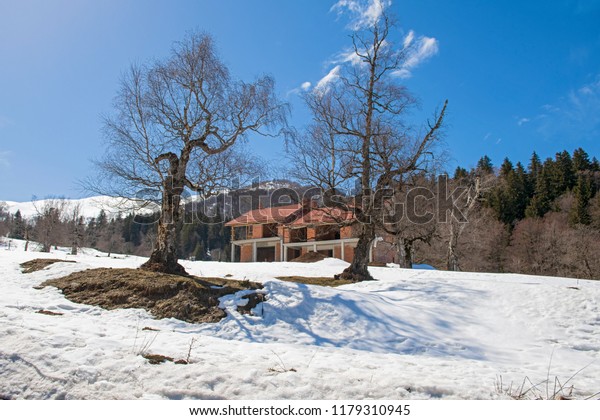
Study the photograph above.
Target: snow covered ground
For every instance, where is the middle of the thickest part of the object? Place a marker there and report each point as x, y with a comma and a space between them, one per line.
411, 334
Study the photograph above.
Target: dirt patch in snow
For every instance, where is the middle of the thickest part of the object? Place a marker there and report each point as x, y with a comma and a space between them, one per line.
51, 313
39, 264
189, 298
309, 257
157, 359
254, 298
319, 281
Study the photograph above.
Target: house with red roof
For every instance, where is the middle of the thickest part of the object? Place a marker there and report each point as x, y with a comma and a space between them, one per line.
288, 232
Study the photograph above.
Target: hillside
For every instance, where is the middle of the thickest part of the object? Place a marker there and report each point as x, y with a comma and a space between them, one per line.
410, 334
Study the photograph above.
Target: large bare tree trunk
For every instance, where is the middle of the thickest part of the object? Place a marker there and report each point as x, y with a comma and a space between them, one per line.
404, 253
164, 255
452, 257
359, 268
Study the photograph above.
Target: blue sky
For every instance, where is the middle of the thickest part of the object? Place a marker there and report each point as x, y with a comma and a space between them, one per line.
519, 75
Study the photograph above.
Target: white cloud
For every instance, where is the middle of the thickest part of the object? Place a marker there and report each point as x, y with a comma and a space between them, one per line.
333, 74
305, 86
416, 50
363, 13
409, 38
522, 121
347, 56
575, 115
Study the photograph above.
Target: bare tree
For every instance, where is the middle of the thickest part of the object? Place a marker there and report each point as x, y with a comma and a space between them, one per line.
176, 127
360, 140
76, 226
48, 228
409, 216
471, 192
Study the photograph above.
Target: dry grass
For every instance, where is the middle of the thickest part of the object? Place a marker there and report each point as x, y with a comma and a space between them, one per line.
548, 389
39, 264
309, 257
318, 281
190, 299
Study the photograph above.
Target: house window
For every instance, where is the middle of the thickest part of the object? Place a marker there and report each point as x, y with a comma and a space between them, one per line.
298, 235
243, 232
270, 230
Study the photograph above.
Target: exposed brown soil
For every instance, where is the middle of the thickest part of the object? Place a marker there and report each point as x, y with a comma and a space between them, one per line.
254, 298
309, 257
319, 281
351, 277
187, 298
39, 264
45, 312
157, 359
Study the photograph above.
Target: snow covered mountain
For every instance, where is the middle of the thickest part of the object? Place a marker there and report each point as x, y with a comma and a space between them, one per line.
89, 207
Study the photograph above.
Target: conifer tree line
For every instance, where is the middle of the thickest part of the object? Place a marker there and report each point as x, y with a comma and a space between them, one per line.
542, 217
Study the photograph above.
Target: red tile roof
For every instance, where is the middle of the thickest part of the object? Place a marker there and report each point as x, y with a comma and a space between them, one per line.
264, 216
323, 216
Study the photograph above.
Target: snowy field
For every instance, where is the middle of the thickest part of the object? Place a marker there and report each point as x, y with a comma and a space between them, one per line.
411, 334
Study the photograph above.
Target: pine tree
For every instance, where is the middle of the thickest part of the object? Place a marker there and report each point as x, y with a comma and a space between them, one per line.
541, 200
553, 179
535, 165
583, 193
484, 165
460, 173
533, 170
18, 228
521, 190
510, 199
506, 168
91, 234
565, 175
581, 160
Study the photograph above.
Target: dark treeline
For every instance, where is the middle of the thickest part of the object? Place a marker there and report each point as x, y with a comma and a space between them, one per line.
132, 235
534, 218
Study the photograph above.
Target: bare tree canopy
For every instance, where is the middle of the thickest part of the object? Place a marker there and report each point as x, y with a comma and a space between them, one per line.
177, 125
360, 139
